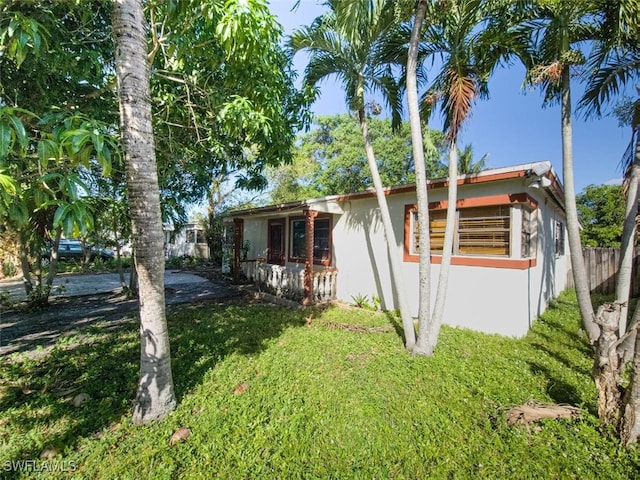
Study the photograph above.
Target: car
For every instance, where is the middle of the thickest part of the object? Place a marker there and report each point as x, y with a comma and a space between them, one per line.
72, 250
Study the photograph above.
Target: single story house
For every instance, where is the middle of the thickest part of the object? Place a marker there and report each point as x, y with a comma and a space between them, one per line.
189, 241
510, 251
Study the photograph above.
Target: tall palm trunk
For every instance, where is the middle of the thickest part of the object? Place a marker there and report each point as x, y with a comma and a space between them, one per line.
392, 244
424, 247
573, 228
627, 242
630, 423
447, 248
603, 328
155, 396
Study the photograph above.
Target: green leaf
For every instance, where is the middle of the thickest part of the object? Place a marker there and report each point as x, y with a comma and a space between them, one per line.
5, 139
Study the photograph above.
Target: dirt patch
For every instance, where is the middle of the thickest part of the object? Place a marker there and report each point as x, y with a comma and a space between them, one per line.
34, 331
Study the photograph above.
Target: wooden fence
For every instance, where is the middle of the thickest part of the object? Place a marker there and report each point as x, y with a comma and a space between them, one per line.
602, 270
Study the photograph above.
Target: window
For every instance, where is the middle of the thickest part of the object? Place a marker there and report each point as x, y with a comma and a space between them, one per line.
529, 240
437, 224
484, 230
479, 231
497, 231
195, 236
559, 238
321, 240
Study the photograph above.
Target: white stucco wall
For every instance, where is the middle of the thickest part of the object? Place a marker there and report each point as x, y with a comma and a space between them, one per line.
488, 299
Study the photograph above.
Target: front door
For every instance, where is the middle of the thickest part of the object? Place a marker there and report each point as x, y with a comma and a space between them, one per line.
275, 247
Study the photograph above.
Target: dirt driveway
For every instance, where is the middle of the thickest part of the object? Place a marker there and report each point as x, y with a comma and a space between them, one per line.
90, 299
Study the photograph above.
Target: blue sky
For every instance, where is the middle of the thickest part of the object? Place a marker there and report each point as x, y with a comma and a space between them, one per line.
511, 126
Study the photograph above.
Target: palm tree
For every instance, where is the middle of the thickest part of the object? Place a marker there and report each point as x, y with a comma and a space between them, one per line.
466, 163
155, 397
350, 42
557, 30
422, 195
463, 37
615, 62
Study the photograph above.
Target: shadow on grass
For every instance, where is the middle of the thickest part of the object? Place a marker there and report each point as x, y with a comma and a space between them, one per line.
35, 395
557, 336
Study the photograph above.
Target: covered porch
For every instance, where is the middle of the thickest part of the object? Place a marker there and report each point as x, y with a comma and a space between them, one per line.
287, 250
289, 283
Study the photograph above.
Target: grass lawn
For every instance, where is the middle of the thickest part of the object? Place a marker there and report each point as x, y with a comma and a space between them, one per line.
320, 402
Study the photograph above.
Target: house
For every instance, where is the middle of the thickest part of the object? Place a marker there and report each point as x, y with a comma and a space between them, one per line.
189, 241
510, 254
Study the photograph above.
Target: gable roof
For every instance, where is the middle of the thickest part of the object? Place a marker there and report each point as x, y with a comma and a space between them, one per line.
330, 204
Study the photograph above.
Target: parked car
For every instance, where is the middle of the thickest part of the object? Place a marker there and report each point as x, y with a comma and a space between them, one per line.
71, 250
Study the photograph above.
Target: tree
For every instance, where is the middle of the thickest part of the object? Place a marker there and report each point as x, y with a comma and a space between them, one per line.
466, 163
462, 36
329, 160
601, 214
155, 396
349, 42
615, 62
50, 146
557, 30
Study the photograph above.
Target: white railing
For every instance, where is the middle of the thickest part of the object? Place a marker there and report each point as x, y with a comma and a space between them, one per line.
288, 282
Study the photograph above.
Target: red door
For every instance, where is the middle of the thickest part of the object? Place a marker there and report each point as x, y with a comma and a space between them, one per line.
275, 247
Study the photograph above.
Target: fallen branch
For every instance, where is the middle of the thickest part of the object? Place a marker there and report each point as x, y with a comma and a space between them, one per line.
533, 411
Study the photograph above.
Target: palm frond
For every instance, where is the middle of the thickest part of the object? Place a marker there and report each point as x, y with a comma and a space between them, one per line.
618, 69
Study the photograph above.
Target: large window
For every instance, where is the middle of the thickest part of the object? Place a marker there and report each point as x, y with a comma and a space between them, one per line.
504, 232
478, 231
321, 240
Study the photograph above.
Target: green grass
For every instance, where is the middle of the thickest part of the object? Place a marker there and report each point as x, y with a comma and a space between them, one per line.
321, 402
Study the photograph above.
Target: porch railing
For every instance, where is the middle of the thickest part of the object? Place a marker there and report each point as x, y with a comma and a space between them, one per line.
289, 282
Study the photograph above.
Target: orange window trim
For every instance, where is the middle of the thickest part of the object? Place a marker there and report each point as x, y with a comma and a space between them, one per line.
502, 199
511, 263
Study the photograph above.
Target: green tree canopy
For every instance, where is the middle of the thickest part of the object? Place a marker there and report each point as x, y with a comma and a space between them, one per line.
601, 209
330, 160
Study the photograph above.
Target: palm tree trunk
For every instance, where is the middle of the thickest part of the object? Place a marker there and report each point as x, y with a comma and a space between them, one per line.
155, 396
447, 248
392, 244
627, 242
630, 424
573, 228
424, 265
603, 328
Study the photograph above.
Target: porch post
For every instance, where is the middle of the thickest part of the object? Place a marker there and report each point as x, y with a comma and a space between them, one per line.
238, 230
309, 216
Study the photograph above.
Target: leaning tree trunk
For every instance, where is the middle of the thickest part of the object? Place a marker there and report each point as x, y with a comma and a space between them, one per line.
627, 247
623, 285
603, 328
447, 247
573, 226
155, 396
424, 265
394, 259
630, 422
